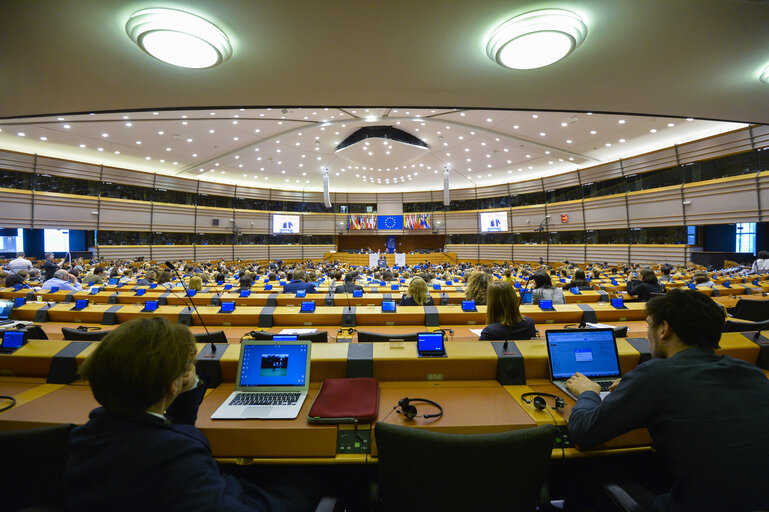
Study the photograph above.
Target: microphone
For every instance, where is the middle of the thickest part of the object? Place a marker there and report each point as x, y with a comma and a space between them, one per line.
758, 332
192, 303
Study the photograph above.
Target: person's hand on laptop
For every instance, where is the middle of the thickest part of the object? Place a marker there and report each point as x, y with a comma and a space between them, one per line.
614, 384
578, 384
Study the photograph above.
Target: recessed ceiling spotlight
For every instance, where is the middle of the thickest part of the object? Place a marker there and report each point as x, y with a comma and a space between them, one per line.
536, 39
764, 76
179, 38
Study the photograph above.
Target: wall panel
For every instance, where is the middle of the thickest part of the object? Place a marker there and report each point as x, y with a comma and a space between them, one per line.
206, 217
253, 221
608, 212
22, 162
600, 172
529, 252
573, 211
122, 215
573, 253
318, 224
177, 218
462, 222
525, 219
59, 211
641, 254
57, 167
464, 252
17, 208
649, 161
611, 254
722, 201
657, 207
114, 252
727, 143
251, 252
126, 177
525, 187
496, 252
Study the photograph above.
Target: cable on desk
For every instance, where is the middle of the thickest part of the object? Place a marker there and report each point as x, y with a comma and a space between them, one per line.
10, 399
555, 423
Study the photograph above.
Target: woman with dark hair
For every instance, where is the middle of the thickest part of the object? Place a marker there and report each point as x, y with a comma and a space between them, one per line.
544, 290
578, 280
503, 318
646, 286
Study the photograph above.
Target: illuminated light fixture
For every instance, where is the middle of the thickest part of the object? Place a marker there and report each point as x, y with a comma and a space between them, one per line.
179, 38
764, 75
536, 39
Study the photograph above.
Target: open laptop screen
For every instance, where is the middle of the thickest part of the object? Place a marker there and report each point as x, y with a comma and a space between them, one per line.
273, 365
6, 306
592, 352
431, 341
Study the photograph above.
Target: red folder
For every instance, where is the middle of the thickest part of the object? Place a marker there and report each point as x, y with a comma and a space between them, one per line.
354, 400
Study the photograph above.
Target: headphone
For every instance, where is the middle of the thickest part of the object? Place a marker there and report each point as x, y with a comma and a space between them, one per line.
410, 412
12, 402
349, 330
539, 401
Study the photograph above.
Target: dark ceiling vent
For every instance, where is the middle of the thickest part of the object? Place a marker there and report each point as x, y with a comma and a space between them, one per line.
381, 132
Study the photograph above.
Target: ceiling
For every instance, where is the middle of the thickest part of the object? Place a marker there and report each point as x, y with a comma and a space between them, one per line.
304, 75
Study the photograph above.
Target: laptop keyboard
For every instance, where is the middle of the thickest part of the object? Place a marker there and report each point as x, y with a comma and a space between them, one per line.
605, 385
265, 399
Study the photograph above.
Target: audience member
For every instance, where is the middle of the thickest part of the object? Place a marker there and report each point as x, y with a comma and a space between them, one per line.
544, 290
578, 280
20, 263
49, 266
477, 287
648, 285
503, 317
761, 265
417, 294
62, 280
297, 283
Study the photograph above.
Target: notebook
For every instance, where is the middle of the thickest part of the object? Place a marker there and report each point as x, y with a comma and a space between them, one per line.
271, 383
592, 352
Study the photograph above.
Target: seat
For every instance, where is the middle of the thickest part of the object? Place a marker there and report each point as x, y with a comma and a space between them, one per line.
740, 326
71, 334
315, 336
750, 309
33, 462
211, 337
369, 337
424, 470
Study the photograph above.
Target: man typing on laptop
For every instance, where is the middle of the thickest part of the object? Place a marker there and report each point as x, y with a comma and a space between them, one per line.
706, 413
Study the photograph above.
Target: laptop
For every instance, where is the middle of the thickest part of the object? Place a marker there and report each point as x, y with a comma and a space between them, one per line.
6, 305
271, 383
592, 352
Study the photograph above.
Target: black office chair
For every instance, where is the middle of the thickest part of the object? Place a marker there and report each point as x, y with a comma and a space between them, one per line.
35, 332
742, 326
750, 309
424, 470
211, 337
33, 467
71, 334
315, 336
372, 337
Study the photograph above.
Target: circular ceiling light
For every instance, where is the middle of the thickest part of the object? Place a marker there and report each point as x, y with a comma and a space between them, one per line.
536, 39
179, 38
765, 75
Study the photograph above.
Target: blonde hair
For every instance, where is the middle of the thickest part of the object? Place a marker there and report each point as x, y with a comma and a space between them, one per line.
195, 283
418, 291
502, 305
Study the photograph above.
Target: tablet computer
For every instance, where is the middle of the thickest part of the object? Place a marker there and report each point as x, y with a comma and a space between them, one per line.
430, 344
227, 307
80, 304
357, 293
469, 305
388, 306
150, 306
308, 306
546, 305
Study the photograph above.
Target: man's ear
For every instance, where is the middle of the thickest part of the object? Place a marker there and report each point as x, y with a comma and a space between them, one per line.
665, 330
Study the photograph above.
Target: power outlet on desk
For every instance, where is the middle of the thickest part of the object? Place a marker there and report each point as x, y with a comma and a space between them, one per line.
562, 438
352, 441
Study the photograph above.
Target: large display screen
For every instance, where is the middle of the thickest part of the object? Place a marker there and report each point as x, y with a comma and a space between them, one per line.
285, 224
56, 240
493, 221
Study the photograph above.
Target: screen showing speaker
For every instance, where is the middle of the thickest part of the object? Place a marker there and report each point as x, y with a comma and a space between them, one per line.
285, 224
493, 221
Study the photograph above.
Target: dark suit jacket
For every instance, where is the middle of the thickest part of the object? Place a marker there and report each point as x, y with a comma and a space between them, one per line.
143, 462
523, 330
49, 269
347, 288
409, 301
295, 285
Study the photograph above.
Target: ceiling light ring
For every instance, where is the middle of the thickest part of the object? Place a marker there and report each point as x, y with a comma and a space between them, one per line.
556, 21
154, 21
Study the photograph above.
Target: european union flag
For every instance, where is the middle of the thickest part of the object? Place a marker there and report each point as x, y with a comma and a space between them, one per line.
390, 222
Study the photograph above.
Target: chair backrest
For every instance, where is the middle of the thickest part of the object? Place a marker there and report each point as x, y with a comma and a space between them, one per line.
732, 326
33, 467
210, 337
424, 470
753, 310
71, 334
370, 337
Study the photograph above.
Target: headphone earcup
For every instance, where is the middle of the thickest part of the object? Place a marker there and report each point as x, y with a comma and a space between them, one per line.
409, 411
539, 403
559, 403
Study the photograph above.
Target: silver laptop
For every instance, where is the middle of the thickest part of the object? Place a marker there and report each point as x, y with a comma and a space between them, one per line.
591, 352
271, 383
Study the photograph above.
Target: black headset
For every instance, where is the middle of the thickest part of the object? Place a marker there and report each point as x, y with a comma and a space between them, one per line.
410, 412
539, 401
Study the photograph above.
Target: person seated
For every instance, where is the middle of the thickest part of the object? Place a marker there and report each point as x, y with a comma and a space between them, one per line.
298, 283
349, 285
19, 278
706, 413
503, 317
761, 265
246, 283
544, 289
20, 263
666, 270
477, 287
702, 280
648, 285
97, 277
164, 279
508, 276
140, 450
578, 280
416, 295
196, 283
64, 281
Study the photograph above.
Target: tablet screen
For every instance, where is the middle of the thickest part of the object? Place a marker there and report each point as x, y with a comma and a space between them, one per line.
151, 305
388, 306
227, 307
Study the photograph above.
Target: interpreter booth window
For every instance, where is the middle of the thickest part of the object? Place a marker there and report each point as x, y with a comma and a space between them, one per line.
746, 237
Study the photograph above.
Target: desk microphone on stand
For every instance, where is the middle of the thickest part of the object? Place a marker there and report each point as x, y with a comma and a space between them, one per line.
192, 304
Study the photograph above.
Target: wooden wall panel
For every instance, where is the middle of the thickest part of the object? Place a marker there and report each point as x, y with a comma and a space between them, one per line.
177, 218
529, 252
65, 211
464, 252
13, 161
722, 201
573, 253
524, 219
608, 212
57, 167
573, 211
122, 215
206, 218
641, 254
736, 141
600, 172
114, 252
611, 254
525, 187
318, 224
496, 252
649, 161
16, 211
462, 222
251, 222
657, 207
174, 252
127, 177
251, 252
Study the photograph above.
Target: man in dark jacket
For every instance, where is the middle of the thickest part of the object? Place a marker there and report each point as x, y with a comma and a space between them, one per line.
49, 267
297, 283
141, 450
349, 285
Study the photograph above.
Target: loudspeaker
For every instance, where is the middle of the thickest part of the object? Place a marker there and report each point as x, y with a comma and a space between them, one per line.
214, 222
510, 368
446, 199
